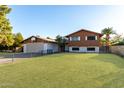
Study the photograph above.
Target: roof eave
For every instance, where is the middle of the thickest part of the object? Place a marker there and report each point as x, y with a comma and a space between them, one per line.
83, 30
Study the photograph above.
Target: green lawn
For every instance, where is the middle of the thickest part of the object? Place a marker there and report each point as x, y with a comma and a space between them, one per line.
64, 70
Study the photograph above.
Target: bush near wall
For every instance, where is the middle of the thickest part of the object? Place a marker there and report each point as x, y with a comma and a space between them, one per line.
120, 43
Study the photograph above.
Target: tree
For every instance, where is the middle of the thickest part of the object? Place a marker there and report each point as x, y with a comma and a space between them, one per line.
6, 36
120, 43
18, 38
103, 41
116, 39
48, 37
107, 32
61, 42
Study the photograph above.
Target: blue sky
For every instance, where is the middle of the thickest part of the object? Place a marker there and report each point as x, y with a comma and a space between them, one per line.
53, 20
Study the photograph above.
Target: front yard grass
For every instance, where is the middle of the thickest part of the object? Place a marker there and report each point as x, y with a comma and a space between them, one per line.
66, 70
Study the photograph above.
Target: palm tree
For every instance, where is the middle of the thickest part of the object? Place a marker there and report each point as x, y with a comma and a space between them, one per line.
107, 32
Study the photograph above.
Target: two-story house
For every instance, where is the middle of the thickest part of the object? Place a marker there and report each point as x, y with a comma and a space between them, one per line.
84, 41
79, 41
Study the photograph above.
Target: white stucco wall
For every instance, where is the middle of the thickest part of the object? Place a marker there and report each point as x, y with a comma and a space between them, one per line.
33, 47
52, 46
83, 49
66, 48
24, 48
70, 49
38, 47
97, 49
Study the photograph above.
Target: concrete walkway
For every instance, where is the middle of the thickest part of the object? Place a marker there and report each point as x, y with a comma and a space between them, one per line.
5, 60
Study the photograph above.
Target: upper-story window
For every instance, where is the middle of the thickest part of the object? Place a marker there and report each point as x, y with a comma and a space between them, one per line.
75, 38
91, 37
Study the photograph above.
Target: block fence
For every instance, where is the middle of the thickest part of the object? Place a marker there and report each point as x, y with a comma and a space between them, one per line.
119, 50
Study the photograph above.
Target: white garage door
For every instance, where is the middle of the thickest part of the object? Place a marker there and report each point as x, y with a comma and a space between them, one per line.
33, 47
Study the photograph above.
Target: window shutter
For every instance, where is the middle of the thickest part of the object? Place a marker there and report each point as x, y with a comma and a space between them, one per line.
95, 37
70, 38
85, 37
79, 38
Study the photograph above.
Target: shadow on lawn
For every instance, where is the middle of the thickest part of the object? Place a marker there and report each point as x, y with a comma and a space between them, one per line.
114, 79
110, 58
110, 80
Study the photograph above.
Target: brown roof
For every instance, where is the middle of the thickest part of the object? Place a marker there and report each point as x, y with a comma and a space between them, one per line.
45, 39
85, 31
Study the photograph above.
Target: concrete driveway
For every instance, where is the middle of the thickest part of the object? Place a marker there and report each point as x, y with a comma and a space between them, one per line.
20, 55
9, 57
5, 60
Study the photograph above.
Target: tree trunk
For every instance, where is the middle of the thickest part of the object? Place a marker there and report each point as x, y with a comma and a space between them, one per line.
107, 40
107, 43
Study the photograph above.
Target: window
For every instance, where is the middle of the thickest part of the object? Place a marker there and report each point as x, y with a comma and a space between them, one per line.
75, 48
91, 49
91, 37
75, 38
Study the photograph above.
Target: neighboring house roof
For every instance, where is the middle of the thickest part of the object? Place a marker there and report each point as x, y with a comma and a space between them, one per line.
48, 39
85, 31
41, 39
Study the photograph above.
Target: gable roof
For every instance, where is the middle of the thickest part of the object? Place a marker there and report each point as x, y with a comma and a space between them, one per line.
85, 31
44, 39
